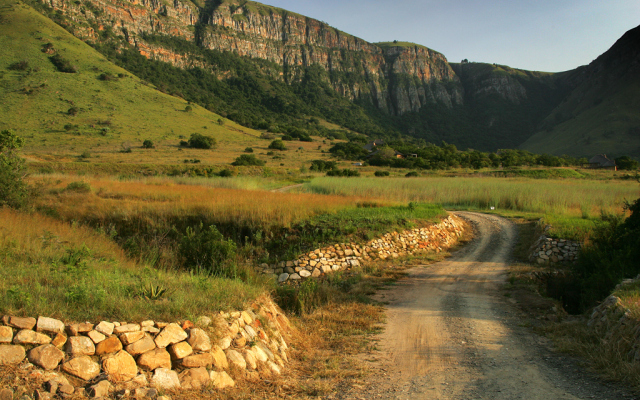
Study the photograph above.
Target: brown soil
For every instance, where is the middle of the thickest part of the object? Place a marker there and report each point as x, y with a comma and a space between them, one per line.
452, 334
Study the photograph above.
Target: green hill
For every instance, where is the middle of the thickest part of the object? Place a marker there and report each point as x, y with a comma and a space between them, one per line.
601, 114
99, 110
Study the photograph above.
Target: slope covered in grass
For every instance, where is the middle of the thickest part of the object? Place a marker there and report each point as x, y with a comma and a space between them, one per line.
99, 110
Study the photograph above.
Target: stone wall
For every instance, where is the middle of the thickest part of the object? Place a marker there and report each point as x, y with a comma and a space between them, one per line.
138, 359
322, 261
549, 250
618, 329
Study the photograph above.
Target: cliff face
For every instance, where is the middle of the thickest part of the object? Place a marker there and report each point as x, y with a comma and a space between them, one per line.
396, 79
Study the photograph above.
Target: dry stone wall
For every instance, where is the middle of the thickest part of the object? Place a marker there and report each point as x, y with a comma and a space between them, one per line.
549, 250
139, 359
617, 327
342, 256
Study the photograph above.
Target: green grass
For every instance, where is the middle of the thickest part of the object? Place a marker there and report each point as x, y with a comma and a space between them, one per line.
112, 114
572, 207
388, 45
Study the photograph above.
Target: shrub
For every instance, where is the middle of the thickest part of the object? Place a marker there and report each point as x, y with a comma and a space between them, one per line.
248, 150
381, 173
19, 66
277, 145
412, 174
267, 136
73, 111
198, 141
287, 137
322, 166
225, 173
13, 190
62, 64
206, 250
343, 172
188, 109
78, 187
248, 159
147, 144
626, 163
105, 76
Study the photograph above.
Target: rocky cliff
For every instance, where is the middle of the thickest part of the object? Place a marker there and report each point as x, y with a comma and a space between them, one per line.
394, 78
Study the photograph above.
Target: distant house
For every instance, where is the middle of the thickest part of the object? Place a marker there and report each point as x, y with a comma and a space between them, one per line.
602, 162
372, 146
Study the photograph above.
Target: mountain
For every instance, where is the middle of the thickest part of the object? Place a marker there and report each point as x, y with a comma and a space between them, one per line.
270, 69
600, 115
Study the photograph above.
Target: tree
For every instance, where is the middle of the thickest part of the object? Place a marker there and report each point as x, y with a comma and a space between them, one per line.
147, 144
626, 163
13, 190
277, 145
247, 159
198, 141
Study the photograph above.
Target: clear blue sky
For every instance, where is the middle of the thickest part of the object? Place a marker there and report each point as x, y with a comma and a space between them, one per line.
539, 35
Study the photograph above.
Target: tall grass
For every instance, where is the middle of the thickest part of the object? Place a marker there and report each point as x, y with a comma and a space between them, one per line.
53, 268
572, 205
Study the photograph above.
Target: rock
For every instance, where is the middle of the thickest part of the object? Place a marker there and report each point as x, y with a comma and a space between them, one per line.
100, 389
27, 336
250, 331
145, 393
22, 323
96, 336
316, 273
147, 323
158, 358
82, 367
51, 386
180, 350
46, 356
283, 277
250, 359
248, 319
38, 395
11, 354
150, 329
141, 346
6, 394
274, 368
195, 378
199, 340
6, 334
204, 321
119, 330
171, 334
49, 325
225, 342
304, 273
197, 361
109, 345
120, 367
221, 380
163, 398
260, 354
236, 359
104, 327
59, 341
164, 378
131, 337
80, 346
219, 358
294, 277
240, 341
77, 329
66, 388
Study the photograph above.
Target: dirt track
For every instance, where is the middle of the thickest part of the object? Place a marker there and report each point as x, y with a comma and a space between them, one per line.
451, 334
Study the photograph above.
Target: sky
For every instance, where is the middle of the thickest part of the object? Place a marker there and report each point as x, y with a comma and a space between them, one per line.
536, 35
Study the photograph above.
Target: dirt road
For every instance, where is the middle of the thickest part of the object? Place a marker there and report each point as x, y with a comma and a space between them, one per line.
451, 334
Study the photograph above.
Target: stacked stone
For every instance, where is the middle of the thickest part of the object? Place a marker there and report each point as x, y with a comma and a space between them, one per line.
150, 355
615, 324
549, 250
344, 256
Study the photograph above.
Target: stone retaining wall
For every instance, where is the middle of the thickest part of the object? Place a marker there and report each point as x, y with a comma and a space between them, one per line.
138, 359
549, 250
319, 262
618, 329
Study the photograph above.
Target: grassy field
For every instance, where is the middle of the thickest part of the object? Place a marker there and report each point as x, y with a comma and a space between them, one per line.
572, 207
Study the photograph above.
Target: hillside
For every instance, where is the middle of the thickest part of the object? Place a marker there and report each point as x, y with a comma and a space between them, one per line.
601, 114
268, 68
101, 109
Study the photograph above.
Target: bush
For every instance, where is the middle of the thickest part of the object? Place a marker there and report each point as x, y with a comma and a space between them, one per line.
246, 160
626, 163
13, 190
198, 141
225, 173
248, 150
188, 109
105, 76
206, 250
277, 145
343, 172
62, 64
78, 187
73, 111
381, 173
412, 174
147, 144
19, 66
322, 166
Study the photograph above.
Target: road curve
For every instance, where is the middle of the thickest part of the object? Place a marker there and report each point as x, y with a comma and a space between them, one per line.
451, 334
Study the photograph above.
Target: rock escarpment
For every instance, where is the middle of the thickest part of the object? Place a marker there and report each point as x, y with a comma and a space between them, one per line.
395, 78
